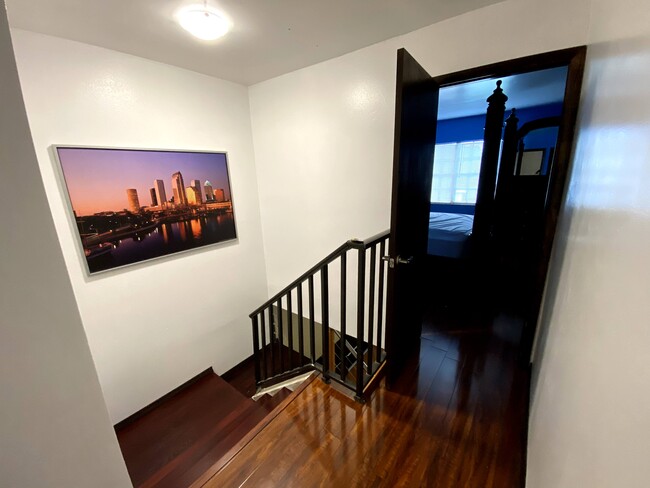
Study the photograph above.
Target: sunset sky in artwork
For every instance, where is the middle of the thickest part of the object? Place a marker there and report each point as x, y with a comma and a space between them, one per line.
97, 179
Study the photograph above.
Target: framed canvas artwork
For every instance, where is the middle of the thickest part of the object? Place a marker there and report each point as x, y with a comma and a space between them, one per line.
133, 205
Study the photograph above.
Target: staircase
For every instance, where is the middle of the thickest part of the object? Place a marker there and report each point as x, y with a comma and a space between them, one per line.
175, 440
293, 332
191, 433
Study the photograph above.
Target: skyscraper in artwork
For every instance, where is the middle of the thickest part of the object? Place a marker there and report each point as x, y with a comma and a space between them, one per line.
154, 199
134, 201
196, 184
209, 196
220, 195
193, 196
161, 196
178, 185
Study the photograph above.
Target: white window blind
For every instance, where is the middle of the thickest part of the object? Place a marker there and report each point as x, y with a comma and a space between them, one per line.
456, 168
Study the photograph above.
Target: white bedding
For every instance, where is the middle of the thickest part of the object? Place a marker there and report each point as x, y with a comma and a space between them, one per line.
449, 233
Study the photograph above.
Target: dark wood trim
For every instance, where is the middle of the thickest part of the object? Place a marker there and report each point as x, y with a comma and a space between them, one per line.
557, 186
143, 411
552, 59
225, 460
524, 431
375, 380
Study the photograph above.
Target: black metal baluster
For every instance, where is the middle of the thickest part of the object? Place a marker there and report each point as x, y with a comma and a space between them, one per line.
342, 346
380, 297
361, 296
264, 371
371, 308
272, 334
290, 329
256, 347
325, 322
280, 334
301, 334
312, 328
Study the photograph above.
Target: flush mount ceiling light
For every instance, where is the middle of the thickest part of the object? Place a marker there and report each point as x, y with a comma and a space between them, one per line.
203, 22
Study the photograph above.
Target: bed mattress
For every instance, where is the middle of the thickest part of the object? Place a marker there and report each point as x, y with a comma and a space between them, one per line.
449, 234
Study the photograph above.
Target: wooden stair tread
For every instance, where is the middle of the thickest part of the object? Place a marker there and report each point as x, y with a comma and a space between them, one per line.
269, 402
255, 452
174, 443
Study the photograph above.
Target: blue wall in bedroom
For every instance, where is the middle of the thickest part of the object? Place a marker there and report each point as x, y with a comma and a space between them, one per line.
471, 129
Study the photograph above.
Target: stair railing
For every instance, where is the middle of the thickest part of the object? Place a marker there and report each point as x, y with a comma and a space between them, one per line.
276, 355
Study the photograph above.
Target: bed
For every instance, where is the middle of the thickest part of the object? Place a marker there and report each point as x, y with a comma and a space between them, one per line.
449, 234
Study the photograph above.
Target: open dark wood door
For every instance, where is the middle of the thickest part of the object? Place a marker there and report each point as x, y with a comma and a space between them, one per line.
416, 110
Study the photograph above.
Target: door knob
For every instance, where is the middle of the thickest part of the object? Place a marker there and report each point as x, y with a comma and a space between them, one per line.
399, 260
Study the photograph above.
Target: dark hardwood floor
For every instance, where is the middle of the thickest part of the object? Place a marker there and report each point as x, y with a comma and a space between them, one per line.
456, 418
174, 443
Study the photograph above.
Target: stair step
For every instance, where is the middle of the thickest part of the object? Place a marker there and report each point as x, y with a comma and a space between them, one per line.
269, 402
173, 444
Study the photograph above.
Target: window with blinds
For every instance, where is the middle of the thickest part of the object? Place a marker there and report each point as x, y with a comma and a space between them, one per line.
456, 168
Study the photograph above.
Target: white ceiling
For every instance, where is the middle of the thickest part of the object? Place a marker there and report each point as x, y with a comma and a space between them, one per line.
524, 90
269, 37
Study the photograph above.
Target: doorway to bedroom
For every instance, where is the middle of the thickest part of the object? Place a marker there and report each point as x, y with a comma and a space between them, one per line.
537, 99
529, 108
481, 159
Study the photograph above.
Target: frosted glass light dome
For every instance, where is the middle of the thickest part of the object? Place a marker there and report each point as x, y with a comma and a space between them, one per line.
203, 22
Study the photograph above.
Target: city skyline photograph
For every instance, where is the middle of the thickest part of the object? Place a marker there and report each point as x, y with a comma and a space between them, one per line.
132, 205
97, 179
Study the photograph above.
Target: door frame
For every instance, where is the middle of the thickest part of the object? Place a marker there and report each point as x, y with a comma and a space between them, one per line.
574, 59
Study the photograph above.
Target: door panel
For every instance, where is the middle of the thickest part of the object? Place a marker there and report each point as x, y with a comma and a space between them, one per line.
416, 110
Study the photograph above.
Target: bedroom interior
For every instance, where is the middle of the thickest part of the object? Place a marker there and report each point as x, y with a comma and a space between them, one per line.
493, 210
310, 141
533, 110
459, 144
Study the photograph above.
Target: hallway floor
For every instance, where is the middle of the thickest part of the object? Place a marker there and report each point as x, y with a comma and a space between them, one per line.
456, 419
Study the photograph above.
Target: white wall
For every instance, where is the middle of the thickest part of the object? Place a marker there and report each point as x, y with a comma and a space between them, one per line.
323, 135
55, 430
590, 415
155, 325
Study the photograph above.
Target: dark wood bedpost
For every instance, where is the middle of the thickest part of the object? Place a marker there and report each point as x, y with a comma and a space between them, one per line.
508, 157
489, 161
504, 208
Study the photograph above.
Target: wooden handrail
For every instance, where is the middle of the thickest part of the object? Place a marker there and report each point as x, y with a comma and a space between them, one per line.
371, 241
351, 244
365, 357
